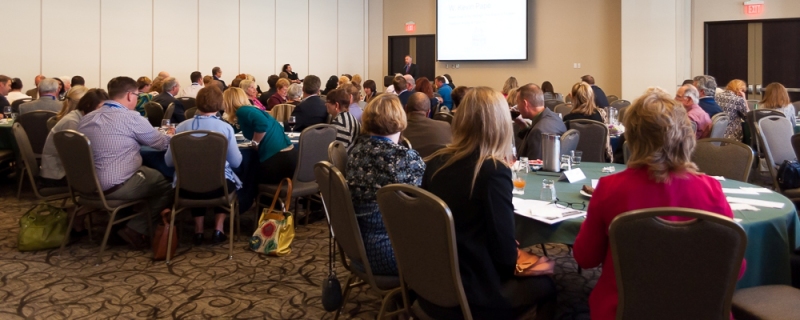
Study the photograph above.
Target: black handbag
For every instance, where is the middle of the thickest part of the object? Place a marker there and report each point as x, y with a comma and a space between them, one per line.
789, 175
331, 288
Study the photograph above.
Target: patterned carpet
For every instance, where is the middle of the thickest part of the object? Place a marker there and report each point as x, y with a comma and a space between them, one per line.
201, 282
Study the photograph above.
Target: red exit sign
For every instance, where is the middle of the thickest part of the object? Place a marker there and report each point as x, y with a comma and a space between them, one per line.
754, 7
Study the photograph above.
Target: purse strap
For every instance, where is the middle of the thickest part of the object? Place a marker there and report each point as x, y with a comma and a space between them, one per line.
278, 194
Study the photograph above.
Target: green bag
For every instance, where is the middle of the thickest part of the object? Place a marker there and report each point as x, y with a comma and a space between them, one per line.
42, 227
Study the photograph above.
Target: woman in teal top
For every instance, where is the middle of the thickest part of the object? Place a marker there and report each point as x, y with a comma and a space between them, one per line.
277, 155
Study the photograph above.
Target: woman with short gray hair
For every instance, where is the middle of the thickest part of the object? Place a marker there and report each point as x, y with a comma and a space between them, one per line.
294, 94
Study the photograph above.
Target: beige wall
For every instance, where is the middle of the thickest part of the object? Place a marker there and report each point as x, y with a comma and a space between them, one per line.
562, 32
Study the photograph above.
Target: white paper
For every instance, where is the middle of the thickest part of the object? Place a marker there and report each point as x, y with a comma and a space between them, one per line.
293, 134
594, 183
573, 175
544, 211
757, 190
737, 219
738, 191
760, 203
720, 178
743, 207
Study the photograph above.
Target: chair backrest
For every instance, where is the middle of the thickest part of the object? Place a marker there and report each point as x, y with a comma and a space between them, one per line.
341, 214
282, 112
78, 161
199, 158
621, 113
35, 125
620, 103
405, 142
724, 157
774, 137
423, 237
751, 118
694, 126
154, 112
314, 142
443, 116
189, 113
552, 103
594, 137
707, 250
170, 111
626, 152
796, 145
51, 122
751, 104
612, 98
26, 152
563, 109
569, 141
15, 105
337, 155
188, 102
718, 125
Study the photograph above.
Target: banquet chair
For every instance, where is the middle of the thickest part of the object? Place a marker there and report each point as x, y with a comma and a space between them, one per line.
621, 113
31, 169
768, 302
84, 187
569, 141
718, 125
612, 98
282, 112
199, 158
189, 113
751, 119
337, 155
344, 227
404, 142
751, 104
51, 122
442, 116
188, 102
796, 145
154, 112
703, 291
594, 137
422, 232
563, 109
694, 125
314, 142
620, 103
35, 125
774, 136
15, 105
724, 157
552, 103
170, 110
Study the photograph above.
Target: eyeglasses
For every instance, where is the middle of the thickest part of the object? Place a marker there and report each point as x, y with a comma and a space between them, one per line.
135, 93
574, 205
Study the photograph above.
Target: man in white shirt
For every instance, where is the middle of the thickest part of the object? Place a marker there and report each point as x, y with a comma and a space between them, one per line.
191, 91
16, 91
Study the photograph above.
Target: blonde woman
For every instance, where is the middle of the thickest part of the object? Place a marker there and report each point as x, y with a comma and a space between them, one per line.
733, 102
776, 97
250, 88
356, 81
276, 154
377, 160
71, 100
660, 174
342, 81
473, 177
584, 108
511, 83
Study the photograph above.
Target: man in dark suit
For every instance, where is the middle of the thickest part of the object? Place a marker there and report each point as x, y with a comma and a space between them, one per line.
217, 73
404, 87
311, 109
271, 81
171, 88
530, 102
600, 99
34, 93
410, 68
426, 135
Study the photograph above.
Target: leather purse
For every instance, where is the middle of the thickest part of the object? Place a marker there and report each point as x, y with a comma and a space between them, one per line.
331, 288
42, 227
275, 230
532, 265
161, 237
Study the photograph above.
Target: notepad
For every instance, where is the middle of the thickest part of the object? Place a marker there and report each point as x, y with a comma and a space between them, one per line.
755, 202
544, 211
743, 207
738, 191
757, 190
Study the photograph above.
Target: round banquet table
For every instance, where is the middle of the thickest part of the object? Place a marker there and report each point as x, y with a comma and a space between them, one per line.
771, 233
6, 137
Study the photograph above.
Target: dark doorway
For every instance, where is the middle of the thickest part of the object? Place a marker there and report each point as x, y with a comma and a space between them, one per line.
726, 51
781, 57
421, 47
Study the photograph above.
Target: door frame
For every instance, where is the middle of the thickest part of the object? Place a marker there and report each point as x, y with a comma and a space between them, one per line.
705, 33
390, 56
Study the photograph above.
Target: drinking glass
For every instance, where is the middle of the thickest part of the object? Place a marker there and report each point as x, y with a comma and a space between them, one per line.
14, 116
576, 157
548, 190
7, 112
292, 121
518, 176
566, 162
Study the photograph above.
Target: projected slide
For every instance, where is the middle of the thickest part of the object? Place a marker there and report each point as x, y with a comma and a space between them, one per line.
481, 30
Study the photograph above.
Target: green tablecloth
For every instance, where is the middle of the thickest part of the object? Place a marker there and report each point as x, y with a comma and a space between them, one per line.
772, 233
6, 138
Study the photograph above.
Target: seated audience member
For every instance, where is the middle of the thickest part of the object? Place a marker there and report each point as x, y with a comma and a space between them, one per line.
207, 80
426, 135
217, 73
687, 95
144, 84
445, 91
331, 85
209, 102
707, 87
48, 98
342, 81
276, 154
62, 91
5, 88
583, 100
67, 83
354, 94
733, 101
356, 81
191, 91
424, 85
34, 93
472, 176
272, 81
377, 160
251, 91
312, 109
294, 94
292, 76
236, 83
283, 75
530, 102
347, 126
167, 97
660, 174
390, 88
349, 77
600, 99
157, 86
78, 81
457, 94
776, 97
512, 99
369, 90
449, 81
163, 75
280, 96
511, 83
550, 94
403, 89
218, 84
52, 172
116, 135
16, 91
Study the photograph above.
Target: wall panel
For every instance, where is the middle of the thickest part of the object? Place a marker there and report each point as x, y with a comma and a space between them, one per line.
126, 39
63, 53
375, 42
175, 33
351, 34
219, 38
257, 40
322, 53
291, 35
21, 54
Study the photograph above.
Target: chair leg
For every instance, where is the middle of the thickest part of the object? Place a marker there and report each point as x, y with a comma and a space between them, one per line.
69, 228
105, 237
386, 300
544, 250
169, 234
345, 295
21, 180
234, 207
308, 209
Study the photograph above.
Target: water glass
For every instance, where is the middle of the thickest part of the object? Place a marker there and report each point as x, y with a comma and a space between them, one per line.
548, 191
7, 112
14, 116
576, 157
518, 177
566, 162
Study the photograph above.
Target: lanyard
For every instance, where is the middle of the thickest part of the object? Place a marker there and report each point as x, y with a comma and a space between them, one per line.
196, 122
